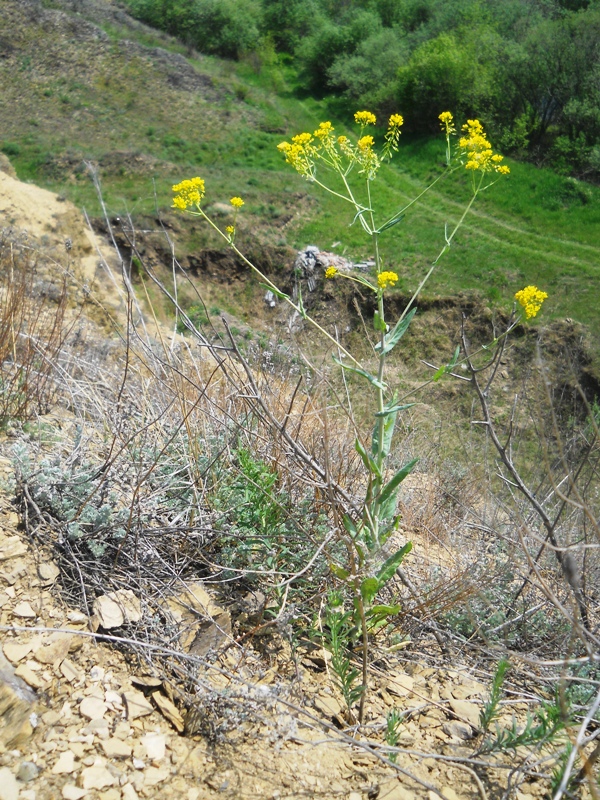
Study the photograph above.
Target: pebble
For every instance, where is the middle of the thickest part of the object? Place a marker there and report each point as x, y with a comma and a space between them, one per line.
92, 708
24, 610
28, 771
65, 764
72, 792
97, 777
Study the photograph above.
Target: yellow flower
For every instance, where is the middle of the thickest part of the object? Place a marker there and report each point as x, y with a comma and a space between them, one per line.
365, 118
366, 142
396, 121
188, 193
447, 119
236, 202
531, 298
475, 146
230, 230
302, 139
330, 272
324, 130
385, 279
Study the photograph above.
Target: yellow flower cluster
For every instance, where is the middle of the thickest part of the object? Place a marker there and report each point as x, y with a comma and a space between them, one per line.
385, 279
188, 193
392, 136
331, 272
324, 130
447, 121
300, 153
365, 118
230, 230
236, 202
475, 146
531, 298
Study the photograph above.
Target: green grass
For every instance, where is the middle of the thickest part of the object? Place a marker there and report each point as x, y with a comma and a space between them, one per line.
532, 227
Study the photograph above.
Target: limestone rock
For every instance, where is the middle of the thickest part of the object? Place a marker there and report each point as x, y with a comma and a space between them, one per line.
72, 792
24, 610
169, 710
466, 711
155, 745
458, 730
116, 748
16, 651
16, 707
65, 764
97, 777
116, 608
92, 708
56, 649
137, 705
48, 572
9, 788
11, 547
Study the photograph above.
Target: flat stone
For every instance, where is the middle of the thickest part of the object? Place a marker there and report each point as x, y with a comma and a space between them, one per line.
466, 711
48, 572
395, 791
77, 617
129, 793
24, 610
72, 792
156, 775
137, 704
97, 777
92, 708
400, 684
169, 710
9, 788
55, 650
458, 730
155, 745
65, 764
69, 671
116, 608
11, 547
116, 748
29, 676
327, 705
16, 651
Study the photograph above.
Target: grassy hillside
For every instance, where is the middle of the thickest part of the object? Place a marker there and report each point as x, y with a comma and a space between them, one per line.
97, 86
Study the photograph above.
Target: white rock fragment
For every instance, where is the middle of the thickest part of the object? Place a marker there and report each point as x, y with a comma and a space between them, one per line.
48, 572
65, 764
116, 608
128, 792
137, 704
155, 744
72, 792
9, 788
24, 610
97, 777
116, 748
12, 547
92, 708
16, 651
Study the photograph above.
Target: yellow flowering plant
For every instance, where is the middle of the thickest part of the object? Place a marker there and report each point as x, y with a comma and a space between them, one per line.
347, 168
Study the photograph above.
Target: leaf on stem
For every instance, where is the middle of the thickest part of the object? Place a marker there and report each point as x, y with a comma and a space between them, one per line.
387, 497
368, 461
447, 367
393, 409
391, 564
397, 332
390, 223
369, 588
389, 421
363, 373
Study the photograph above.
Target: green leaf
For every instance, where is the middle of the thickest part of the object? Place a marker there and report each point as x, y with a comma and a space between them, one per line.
368, 461
371, 378
378, 616
391, 564
447, 367
388, 432
393, 409
391, 222
397, 332
275, 291
338, 571
390, 487
369, 588
378, 323
349, 525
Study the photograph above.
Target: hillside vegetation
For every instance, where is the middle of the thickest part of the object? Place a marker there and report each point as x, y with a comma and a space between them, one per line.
96, 85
